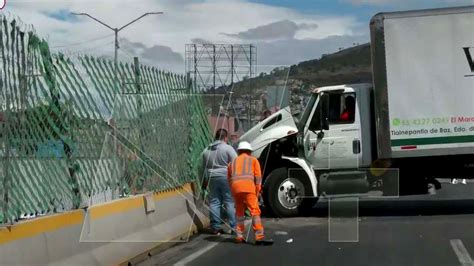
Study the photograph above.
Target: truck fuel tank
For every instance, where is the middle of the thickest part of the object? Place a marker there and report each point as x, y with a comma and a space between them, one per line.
350, 182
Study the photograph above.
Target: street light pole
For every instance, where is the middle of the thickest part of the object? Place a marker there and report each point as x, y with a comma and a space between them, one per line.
116, 31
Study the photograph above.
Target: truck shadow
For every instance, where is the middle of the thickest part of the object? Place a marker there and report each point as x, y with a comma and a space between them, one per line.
404, 207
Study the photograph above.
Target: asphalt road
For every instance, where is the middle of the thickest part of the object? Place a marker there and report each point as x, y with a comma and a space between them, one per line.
412, 230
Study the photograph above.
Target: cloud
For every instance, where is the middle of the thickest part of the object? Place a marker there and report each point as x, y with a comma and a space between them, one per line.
161, 53
307, 26
183, 22
160, 56
62, 15
287, 52
200, 41
284, 29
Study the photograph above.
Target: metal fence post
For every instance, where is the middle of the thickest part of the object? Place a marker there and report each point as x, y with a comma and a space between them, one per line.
6, 179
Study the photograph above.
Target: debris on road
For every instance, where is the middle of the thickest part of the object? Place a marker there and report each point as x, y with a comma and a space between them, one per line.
289, 240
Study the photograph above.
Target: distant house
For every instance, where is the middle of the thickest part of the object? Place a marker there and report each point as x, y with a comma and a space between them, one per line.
230, 123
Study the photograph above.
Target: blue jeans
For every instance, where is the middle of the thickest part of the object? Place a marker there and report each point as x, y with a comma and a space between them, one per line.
219, 195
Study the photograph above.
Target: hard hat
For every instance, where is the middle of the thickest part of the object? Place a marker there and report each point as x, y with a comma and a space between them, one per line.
244, 145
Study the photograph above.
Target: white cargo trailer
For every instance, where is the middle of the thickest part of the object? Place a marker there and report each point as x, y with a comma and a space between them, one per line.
424, 82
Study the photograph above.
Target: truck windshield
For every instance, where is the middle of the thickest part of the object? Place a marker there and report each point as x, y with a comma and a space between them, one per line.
307, 111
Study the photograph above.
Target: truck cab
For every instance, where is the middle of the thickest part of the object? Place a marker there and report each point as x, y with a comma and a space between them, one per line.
333, 130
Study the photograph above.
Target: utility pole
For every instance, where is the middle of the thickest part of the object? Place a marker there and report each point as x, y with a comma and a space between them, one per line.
116, 31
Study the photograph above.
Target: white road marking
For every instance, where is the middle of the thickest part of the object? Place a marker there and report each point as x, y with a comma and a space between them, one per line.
195, 255
461, 252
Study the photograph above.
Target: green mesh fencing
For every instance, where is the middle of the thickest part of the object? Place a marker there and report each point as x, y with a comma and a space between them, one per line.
72, 135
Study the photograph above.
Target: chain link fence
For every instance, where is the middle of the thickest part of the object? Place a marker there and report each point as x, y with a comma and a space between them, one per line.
72, 134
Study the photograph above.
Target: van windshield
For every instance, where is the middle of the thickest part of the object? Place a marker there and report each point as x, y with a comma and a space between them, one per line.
307, 111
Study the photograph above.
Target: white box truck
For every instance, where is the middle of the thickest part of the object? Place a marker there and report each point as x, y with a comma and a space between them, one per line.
415, 123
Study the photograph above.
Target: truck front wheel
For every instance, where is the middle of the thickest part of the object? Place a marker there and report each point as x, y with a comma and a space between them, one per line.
288, 196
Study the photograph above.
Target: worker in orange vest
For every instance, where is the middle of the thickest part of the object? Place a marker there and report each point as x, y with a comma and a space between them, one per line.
245, 179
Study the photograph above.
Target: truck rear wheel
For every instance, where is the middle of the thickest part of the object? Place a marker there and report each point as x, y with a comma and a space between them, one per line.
288, 196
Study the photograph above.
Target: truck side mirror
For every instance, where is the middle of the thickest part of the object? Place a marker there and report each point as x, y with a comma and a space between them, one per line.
324, 111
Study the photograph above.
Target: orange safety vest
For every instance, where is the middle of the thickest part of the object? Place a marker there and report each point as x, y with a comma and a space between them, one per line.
244, 174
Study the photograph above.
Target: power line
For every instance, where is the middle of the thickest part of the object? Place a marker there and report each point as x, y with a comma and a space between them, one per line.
81, 51
83, 42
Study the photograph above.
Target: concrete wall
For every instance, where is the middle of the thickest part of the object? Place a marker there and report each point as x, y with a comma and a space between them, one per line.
105, 234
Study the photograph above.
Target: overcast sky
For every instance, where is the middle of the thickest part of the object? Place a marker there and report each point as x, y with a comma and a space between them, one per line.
284, 31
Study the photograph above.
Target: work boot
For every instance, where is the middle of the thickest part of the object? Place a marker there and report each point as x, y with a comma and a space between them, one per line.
264, 242
215, 232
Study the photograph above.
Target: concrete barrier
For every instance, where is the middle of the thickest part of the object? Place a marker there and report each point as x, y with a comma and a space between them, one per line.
105, 234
